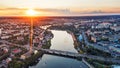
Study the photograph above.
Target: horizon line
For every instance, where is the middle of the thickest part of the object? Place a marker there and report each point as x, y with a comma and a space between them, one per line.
64, 15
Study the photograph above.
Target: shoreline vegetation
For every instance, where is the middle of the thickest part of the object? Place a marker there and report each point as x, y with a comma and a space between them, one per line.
18, 63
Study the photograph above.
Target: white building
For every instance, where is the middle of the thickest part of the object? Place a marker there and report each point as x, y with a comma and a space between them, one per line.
104, 25
115, 28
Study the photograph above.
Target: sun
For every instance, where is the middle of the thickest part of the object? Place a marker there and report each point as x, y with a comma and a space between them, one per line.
31, 12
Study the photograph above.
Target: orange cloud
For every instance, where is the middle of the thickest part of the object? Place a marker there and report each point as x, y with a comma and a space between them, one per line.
58, 12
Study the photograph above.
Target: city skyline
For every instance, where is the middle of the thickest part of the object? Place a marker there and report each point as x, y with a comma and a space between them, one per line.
60, 7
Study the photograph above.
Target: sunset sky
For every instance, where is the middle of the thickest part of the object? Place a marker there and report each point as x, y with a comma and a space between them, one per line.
59, 7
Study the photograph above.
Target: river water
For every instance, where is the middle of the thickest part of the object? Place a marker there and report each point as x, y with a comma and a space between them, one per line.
61, 41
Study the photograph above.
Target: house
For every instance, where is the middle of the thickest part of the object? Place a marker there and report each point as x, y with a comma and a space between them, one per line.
115, 49
5, 36
104, 25
26, 55
8, 60
80, 37
115, 28
93, 38
15, 51
5, 50
20, 38
68, 24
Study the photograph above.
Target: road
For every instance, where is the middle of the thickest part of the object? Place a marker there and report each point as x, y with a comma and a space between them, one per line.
6, 42
76, 55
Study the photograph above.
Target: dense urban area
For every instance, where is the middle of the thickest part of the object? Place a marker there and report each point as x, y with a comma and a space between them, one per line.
96, 39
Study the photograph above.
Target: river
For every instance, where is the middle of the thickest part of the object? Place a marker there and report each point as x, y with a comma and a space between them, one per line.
61, 41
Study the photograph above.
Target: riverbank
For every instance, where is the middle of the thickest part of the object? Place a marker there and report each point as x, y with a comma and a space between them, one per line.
47, 45
62, 41
34, 59
19, 63
76, 43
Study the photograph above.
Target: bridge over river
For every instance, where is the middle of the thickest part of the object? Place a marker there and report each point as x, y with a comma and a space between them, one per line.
76, 55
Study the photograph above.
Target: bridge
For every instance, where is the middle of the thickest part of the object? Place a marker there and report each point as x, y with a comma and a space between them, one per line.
71, 54
76, 55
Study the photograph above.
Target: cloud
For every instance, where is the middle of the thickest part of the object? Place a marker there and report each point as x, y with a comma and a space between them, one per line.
93, 12
49, 11
39, 10
54, 10
13, 9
